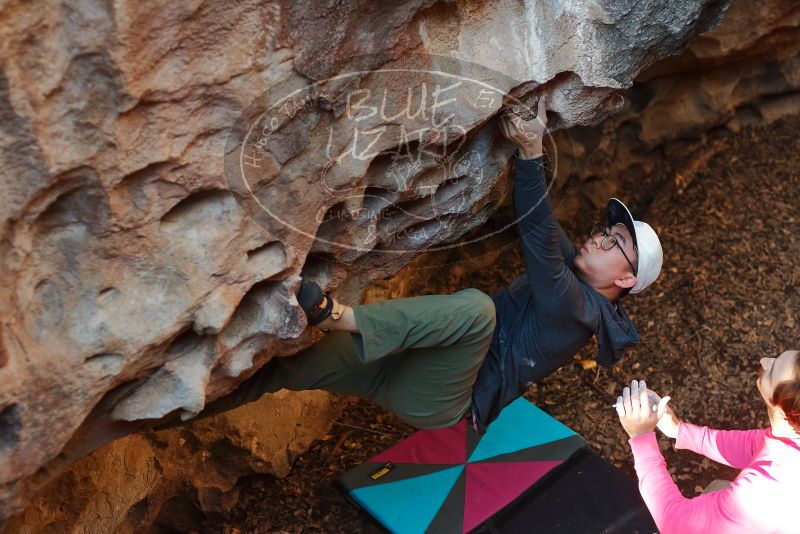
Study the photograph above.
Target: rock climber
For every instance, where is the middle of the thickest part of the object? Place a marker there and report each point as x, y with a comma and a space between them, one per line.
438, 358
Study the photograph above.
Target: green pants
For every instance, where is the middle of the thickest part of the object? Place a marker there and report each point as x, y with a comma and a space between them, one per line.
417, 357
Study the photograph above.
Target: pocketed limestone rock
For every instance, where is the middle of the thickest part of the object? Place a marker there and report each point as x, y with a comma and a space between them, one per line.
148, 265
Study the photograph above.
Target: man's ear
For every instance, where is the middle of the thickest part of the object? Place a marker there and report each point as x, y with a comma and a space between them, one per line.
626, 281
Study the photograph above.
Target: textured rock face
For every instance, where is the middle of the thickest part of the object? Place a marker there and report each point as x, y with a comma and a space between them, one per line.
141, 276
164, 477
747, 71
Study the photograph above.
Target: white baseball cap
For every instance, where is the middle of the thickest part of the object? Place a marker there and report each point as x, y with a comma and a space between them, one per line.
649, 254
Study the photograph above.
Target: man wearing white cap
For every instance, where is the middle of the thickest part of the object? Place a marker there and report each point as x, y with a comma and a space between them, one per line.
568, 294
434, 359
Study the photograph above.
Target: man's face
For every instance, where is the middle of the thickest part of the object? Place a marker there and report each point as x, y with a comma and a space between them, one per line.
600, 268
773, 371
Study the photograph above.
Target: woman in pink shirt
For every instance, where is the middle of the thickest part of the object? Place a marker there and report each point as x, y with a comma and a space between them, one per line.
763, 498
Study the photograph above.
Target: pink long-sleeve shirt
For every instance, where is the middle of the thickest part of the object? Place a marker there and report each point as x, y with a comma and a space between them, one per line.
764, 498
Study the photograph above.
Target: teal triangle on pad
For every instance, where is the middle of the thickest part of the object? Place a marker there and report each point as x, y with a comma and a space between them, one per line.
520, 425
408, 506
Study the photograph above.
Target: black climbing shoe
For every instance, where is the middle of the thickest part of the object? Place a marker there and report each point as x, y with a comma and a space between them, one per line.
315, 303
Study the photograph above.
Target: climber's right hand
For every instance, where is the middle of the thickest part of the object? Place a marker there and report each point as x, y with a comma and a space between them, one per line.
527, 135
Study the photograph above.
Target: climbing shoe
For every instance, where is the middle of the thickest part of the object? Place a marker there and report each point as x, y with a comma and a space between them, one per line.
315, 303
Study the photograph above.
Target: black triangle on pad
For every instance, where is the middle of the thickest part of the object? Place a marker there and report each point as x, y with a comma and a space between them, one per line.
559, 450
450, 517
375, 473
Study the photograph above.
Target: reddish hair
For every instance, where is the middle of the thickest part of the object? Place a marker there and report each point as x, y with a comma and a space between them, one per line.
787, 396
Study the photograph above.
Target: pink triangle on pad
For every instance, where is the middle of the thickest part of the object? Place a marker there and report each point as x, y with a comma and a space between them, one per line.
436, 446
492, 485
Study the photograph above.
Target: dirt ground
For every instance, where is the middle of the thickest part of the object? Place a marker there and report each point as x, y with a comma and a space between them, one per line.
728, 295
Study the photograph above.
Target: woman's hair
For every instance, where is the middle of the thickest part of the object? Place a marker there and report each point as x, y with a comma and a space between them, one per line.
787, 396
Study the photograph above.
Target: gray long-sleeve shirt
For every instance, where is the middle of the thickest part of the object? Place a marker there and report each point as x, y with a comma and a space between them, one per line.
546, 315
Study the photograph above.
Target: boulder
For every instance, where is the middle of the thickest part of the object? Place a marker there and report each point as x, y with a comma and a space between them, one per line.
173, 478
747, 71
170, 170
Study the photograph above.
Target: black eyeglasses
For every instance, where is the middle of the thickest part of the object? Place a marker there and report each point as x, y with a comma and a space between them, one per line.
610, 241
